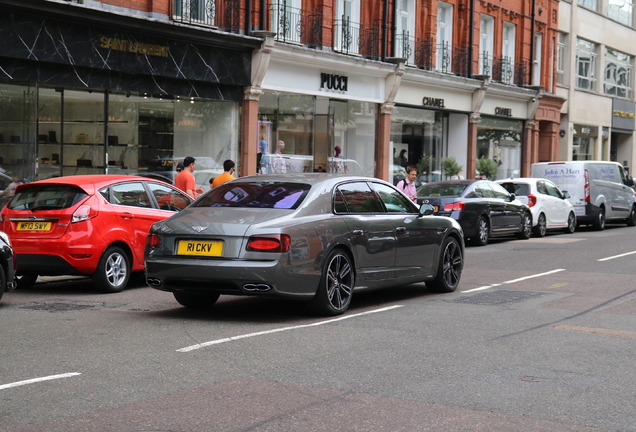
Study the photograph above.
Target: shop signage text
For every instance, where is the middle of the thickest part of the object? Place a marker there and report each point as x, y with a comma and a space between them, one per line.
624, 114
334, 82
433, 102
507, 112
133, 47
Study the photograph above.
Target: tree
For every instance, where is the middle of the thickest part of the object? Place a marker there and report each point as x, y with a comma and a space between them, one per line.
450, 167
487, 168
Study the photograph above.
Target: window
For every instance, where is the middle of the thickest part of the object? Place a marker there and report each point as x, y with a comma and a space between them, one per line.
590, 4
347, 28
508, 53
278, 195
444, 36
562, 57
168, 198
405, 29
618, 74
585, 65
393, 201
621, 11
486, 44
195, 11
130, 194
286, 20
536, 63
360, 198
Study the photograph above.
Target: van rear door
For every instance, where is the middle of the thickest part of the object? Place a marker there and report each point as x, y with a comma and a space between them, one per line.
569, 177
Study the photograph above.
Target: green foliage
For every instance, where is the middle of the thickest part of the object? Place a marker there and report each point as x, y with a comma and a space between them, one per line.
426, 164
450, 167
487, 168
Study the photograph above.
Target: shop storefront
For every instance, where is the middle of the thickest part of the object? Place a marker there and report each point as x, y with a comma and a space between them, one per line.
116, 97
584, 142
313, 117
500, 140
623, 125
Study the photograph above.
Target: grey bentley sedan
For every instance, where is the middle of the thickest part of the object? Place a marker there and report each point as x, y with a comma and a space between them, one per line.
315, 237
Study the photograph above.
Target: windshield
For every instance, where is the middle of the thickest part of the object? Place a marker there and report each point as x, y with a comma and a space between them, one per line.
441, 190
280, 195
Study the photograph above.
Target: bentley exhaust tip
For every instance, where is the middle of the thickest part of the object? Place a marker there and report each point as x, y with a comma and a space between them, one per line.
260, 287
153, 282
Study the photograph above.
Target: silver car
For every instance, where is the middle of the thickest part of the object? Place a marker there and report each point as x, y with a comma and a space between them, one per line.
313, 237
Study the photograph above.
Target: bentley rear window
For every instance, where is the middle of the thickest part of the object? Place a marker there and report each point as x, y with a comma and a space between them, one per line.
280, 195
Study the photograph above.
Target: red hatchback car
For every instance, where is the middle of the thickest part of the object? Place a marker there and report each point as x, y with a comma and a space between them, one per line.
92, 225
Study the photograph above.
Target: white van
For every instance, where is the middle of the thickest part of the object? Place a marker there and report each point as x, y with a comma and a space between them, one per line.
599, 190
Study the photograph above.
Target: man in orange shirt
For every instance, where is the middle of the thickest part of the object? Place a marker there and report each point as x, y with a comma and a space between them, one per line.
185, 180
228, 168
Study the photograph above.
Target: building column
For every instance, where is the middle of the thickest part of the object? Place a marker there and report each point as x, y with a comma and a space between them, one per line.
383, 142
249, 132
530, 152
471, 150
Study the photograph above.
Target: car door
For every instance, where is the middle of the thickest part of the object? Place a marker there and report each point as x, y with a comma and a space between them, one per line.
555, 203
135, 212
511, 209
417, 238
372, 231
495, 206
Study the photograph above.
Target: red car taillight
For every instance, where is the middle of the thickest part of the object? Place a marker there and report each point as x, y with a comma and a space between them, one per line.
455, 206
532, 200
153, 240
586, 188
269, 243
86, 211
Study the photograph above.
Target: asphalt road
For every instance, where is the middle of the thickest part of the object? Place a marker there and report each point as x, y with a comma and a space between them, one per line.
540, 336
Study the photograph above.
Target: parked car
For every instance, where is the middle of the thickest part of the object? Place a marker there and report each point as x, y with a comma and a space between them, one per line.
550, 206
7, 264
93, 225
483, 208
599, 190
314, 237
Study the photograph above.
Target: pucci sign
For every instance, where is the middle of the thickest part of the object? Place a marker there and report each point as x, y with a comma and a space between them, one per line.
334, 82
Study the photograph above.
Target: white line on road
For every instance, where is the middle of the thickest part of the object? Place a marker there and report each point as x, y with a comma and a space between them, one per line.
266, 332
513, 281
35, 380
617, 256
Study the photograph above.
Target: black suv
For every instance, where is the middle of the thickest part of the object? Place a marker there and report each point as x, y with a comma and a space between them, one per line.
7, 264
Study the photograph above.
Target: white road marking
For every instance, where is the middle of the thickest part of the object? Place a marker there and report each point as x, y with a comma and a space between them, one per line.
513, 281
617, 256
36, 380
266, 332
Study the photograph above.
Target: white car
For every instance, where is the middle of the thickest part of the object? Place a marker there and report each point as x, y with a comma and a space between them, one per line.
550, 207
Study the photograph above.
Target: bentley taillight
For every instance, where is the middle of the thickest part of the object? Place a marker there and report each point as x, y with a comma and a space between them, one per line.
269, 243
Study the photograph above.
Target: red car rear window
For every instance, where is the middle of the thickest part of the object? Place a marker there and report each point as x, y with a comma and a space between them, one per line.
46, 197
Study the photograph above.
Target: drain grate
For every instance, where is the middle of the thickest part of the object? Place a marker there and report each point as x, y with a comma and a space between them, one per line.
62, 306
498, 297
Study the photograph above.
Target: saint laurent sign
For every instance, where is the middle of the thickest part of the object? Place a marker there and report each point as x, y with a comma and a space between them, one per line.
133, 47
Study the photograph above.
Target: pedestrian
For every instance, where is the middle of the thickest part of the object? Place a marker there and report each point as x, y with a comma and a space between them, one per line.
402, 159
278, 162
10, 190
228, 170
185, 179
263, 165
407, 185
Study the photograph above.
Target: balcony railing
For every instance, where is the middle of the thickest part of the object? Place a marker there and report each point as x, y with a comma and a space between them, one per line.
223, 14
503, 69
294, 25
424, 54
355, 38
